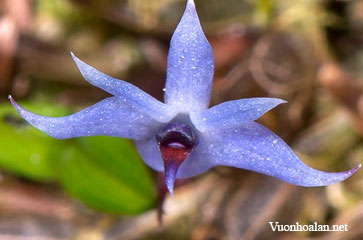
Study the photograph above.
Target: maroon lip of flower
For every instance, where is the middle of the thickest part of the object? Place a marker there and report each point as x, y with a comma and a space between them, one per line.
176, 141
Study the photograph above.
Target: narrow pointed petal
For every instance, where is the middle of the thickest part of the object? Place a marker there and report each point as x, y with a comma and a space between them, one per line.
232, 114
130, 93
111, 116
190, 65
255, 148
171, 169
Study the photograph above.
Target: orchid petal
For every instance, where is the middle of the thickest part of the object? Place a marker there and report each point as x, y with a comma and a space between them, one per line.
197, 162
170, 170
112, 117
190, 65
150, 154
254, 147
233, 113
130, 93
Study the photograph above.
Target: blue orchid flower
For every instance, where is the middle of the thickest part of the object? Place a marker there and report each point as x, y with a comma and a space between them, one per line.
182, 137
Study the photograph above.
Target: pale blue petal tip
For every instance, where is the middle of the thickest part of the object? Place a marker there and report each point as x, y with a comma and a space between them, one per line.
352, 171
169, 181
190, 65
131, 95
170, 188
256, 148
170, 171
233, 113
15, 105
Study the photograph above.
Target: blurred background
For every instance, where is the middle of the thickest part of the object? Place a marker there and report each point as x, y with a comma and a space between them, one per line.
309, 52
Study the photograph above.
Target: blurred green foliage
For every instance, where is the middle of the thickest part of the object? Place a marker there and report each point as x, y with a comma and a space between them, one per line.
25, 150
106, 173
103, 172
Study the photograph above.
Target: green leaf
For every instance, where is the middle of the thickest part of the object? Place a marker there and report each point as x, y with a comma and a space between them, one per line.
106, 173
25, 150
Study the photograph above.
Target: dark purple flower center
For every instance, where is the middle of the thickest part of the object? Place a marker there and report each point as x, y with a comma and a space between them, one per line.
176, 134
